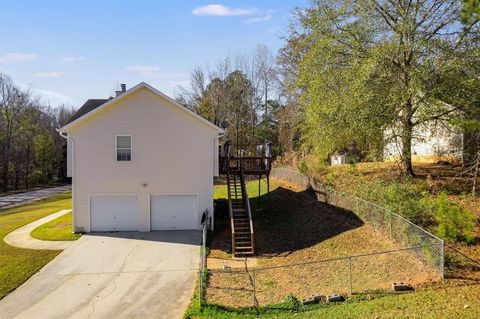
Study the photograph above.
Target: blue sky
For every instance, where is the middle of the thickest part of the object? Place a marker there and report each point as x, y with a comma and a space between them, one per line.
70, 51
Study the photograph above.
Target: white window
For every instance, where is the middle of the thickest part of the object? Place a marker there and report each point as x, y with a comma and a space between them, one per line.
124, 148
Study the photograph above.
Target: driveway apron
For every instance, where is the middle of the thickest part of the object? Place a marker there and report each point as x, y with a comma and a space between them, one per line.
112, 275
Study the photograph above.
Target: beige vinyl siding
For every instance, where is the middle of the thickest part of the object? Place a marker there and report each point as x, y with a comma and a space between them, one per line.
172, 153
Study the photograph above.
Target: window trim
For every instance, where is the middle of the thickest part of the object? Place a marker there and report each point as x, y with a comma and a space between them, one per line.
116, 148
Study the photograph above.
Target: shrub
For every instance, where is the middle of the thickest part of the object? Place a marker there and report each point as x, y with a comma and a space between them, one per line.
303, 167
453, 221
404, 199
351, 159
330, 180
291, 302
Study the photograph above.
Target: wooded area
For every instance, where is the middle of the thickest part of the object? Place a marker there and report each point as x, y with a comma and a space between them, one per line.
32, 152
348, 72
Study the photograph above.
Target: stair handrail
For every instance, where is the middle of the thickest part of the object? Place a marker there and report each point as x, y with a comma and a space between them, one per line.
230, 208
247, 205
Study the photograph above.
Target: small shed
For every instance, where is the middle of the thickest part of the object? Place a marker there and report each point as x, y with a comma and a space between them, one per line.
338, 159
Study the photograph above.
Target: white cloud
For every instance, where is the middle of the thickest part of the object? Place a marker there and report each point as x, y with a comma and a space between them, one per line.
143, 69
18, 57
47, 74
221, 11
53, 97
68, 60
152, 71
265, 18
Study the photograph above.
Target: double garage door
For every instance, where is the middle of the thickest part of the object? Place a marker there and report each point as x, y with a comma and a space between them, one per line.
120, 213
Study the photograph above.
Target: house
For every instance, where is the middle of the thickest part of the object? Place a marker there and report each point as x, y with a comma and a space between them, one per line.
140, 162
431, 142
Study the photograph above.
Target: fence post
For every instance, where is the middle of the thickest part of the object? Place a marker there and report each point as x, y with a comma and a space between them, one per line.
254, 289
442, 259
200, 283
390, 225
350, 274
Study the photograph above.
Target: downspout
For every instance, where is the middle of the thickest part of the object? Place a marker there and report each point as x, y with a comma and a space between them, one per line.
68, 138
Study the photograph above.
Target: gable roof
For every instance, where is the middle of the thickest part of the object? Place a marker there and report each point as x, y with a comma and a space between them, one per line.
90, 105
93, 106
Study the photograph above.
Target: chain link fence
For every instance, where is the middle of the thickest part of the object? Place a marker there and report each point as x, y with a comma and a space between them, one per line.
418, 257
203, 264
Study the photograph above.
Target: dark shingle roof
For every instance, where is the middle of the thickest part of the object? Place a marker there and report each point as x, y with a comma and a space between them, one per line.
90, 105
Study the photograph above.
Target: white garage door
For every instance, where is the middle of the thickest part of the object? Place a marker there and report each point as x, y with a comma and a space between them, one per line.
169, 212
114, 213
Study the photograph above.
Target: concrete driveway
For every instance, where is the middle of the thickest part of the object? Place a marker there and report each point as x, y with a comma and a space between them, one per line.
114, 275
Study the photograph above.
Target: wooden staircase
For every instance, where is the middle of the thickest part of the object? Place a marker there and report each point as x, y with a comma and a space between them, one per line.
240, 214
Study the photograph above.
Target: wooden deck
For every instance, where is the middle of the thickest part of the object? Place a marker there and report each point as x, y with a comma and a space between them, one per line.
241, 223
252, 165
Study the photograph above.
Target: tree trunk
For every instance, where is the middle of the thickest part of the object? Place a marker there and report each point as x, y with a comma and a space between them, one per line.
475, 174
407, 147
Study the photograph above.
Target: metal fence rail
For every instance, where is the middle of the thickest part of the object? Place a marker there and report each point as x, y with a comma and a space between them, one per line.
398, 229
418, 256
267, 286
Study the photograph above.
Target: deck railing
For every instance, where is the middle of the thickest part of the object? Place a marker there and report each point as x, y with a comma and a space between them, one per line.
249, 165
230, 209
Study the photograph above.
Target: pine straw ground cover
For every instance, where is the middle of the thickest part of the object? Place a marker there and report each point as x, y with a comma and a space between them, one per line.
438, 178
293, 227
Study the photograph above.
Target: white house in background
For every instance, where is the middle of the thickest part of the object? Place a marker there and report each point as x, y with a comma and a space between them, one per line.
140, 162
431, 142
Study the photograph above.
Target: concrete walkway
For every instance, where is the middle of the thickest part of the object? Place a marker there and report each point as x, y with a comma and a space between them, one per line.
21, 237
28, 197
112, 275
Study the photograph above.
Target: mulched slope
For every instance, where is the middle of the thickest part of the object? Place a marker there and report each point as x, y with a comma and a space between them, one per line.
293, 227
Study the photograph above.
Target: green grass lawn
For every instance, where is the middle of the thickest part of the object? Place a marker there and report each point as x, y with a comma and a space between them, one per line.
450, 302
220, 191
57, 229
17, 264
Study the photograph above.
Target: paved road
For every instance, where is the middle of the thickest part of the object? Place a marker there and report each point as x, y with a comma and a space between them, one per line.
115, 275
27, 197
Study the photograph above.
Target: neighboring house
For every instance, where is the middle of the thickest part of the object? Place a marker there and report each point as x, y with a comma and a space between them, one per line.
431, 142
140, 162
